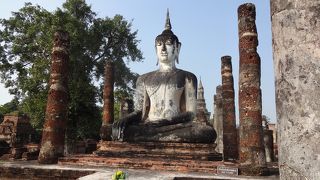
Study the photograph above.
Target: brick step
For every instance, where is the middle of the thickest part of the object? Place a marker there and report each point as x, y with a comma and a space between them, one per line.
157, 145
142, 163
143, 154
161, 149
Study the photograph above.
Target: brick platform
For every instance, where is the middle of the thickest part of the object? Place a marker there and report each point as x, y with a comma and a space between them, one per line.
148, 155
12, 170
18, 169
159, 150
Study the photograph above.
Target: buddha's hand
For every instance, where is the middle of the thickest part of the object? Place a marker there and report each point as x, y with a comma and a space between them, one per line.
119, 126
181, 118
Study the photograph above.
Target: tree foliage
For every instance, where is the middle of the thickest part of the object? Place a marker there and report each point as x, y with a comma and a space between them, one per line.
26, 43
9, 107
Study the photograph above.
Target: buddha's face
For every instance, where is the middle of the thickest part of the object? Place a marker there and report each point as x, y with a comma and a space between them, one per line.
167, 50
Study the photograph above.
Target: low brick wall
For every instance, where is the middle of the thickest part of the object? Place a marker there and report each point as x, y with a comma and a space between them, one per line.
14, 172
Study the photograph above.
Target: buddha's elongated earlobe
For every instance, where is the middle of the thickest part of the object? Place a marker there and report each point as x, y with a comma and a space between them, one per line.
157, 58
178, 51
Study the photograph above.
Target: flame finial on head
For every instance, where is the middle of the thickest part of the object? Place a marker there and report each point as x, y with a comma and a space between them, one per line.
168, 24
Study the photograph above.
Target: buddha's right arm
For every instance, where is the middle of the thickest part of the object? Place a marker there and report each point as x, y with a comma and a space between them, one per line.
141, 98
135, 116
119, 126
138, 95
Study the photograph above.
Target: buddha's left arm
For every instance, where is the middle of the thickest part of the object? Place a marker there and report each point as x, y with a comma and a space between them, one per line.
191, 93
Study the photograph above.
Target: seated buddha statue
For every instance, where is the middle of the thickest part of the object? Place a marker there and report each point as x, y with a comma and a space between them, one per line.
165, 101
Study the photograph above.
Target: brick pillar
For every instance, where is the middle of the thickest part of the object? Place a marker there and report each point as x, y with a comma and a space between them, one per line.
52, 145
108, 101
230, 148
296, 52
252, 155
218, 119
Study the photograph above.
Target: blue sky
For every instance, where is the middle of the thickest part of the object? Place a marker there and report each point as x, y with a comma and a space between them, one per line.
207, 29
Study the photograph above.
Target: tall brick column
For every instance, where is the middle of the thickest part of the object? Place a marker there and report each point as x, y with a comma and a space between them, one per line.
218, 119
296, 53
108, 101
230, 148
52, 145
251, 154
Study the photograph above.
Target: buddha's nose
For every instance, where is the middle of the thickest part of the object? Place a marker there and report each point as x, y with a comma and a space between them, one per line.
163, 48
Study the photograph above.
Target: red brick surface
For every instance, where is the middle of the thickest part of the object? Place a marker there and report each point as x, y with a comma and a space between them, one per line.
251, 154
230, 148
57, 104
150, 155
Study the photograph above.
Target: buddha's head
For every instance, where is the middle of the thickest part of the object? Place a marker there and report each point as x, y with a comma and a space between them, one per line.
167, 45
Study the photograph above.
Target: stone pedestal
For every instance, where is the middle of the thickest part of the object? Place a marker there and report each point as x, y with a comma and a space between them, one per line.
296, 52
251, 155
52, 145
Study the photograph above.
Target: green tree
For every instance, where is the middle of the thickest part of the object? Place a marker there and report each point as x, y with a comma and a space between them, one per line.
8, 108
26, 40
119, 95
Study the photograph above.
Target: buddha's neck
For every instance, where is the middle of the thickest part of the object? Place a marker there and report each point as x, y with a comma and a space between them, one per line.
167, 67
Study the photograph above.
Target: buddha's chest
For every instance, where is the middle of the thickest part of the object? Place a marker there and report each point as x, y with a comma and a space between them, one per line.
165, 87
165, 97
164, 101
164, 92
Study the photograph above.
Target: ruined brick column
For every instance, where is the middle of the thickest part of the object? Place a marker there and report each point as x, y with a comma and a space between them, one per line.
251, 154
108, 101
52, 145
296, 52
230, 148
218, 119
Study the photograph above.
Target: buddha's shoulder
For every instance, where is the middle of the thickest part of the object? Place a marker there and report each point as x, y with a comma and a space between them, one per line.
146, 76
176, 72
143, 76
187, 74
